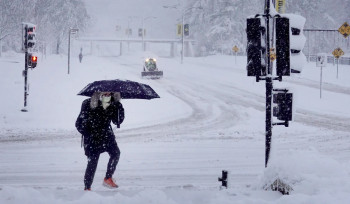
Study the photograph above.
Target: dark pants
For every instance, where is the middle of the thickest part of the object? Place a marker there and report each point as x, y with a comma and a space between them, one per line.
114, 154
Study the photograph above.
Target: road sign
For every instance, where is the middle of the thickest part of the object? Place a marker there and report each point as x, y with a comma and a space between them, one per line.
280, 6
179, 29
344, 30
338, 52
272, 54
235, 49
321, 60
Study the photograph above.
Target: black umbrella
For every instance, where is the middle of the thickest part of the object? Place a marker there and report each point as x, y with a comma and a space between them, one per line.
128, 89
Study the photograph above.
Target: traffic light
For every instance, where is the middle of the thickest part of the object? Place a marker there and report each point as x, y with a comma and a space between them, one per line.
186, 29
283, 108
29, 35
128, 31
140, 32
282, 47
256, 47
297, 42
32, 60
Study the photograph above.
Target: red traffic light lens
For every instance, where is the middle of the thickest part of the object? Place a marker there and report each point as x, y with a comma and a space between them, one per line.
34, 58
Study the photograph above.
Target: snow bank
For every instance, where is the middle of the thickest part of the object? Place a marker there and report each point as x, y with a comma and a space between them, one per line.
307, 172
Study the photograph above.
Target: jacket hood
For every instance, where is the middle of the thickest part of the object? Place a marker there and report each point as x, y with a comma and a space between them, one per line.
95, 99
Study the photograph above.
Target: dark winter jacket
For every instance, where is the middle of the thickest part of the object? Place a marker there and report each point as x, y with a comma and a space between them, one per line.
95, 125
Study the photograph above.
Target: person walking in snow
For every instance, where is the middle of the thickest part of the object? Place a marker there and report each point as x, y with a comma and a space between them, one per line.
80, 57
94, 123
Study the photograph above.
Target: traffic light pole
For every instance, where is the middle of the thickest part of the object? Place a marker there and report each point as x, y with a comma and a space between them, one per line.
269, 87
25, 74
259, 65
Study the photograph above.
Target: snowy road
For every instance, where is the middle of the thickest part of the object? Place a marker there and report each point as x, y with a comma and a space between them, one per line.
213, 118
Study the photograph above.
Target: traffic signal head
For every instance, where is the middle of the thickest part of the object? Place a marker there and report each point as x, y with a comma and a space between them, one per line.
186, 29
282, 47
256, 47
29, 35
31, 40
297, 42
32, 60
140, 32
30, 27
283, 108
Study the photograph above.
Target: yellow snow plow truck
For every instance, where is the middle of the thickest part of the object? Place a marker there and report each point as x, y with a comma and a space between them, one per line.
150, 69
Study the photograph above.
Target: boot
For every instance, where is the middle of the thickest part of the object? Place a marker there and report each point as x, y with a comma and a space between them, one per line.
109, 183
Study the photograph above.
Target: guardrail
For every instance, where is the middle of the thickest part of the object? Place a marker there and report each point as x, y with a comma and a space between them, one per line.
332, 59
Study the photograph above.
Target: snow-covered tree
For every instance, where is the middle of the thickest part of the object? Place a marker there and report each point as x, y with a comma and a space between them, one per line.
221, 24
12, 14
55, 18
52, 17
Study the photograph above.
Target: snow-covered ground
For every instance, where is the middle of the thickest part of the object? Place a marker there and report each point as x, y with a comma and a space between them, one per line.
210, 117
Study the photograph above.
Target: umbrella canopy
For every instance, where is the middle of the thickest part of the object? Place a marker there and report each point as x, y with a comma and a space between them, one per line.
128, 89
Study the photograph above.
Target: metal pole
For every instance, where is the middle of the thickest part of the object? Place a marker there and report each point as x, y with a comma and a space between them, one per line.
25, 72
143, 33
128, 34
25, 81
236, 58
121, 48
321, 83
269, 87
69, 50
337, 66
0, 46
308, 46
182, 34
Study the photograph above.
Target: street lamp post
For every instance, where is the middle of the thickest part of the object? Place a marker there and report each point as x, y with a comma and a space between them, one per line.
71, 31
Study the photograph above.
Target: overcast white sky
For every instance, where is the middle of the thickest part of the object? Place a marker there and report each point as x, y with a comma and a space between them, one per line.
107, 14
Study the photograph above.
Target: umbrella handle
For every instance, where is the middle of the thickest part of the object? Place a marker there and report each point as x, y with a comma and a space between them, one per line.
118, 124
